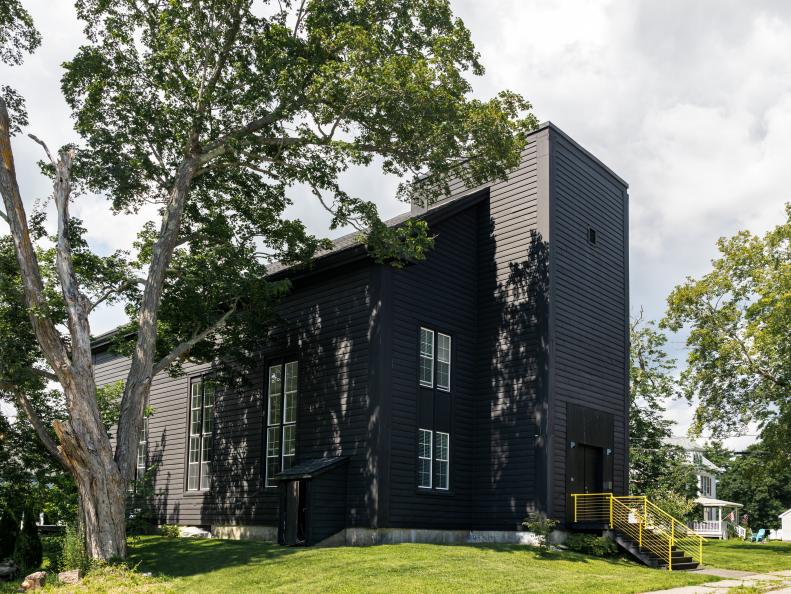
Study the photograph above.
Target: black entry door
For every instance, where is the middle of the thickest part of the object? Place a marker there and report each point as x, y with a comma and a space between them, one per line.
592, 469
295, 500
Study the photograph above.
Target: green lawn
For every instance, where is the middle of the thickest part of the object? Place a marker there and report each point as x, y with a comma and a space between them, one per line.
216, 565
748, 556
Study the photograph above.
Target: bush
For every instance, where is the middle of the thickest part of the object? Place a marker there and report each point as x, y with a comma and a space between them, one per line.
170, 531
9, 530
590, 544
678, 506
72, 553
27, 550
539, 524
141, 515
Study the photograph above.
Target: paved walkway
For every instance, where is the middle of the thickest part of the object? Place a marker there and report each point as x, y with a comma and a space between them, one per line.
776, 582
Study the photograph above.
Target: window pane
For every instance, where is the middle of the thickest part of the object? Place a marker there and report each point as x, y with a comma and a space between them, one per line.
194, 470
443, 361
195, 409
424, 458
208, 408
194, 449
275, 393
290, 397
442, 460
426, 357
272, 455
289, 445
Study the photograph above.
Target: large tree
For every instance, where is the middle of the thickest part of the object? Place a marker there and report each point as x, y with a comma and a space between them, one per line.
760, 481
657, 467
738, 316
214, 110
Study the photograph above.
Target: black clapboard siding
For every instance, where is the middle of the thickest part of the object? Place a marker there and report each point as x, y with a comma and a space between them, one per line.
326, 325
441, 294
589, 301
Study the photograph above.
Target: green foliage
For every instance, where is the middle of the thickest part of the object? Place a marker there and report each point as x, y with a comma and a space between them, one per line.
28, 550
539, 524
590, 544
170, 531
141, 514
72, 553
679, 506
761, 481
9, 530
656, 466
738, 315
18, 36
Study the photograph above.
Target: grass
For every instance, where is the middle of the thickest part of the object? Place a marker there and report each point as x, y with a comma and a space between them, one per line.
215, 565
760, 557
211, 566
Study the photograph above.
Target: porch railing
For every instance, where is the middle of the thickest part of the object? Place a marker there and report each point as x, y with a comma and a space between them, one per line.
652, 528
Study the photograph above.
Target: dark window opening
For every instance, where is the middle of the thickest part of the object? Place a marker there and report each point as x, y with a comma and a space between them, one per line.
592, 235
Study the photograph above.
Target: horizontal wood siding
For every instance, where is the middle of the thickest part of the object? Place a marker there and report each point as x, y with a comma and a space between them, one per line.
325, 326
589, 301
439, 293
511, 291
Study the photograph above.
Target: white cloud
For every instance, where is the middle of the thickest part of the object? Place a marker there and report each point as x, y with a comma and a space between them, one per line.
688, 101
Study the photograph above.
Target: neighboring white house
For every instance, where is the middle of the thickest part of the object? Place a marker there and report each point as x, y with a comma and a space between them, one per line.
785, 525
717, 513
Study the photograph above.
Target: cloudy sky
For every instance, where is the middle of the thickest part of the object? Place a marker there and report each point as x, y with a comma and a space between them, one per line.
690, 102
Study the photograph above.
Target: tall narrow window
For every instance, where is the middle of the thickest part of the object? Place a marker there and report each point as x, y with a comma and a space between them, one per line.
142, 450
281, 431
442, 460
443, 361
201, 427
426, 357
424, 459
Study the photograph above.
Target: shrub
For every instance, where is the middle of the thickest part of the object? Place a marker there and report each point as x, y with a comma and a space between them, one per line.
9, 530
27, 550
590, 544
72, 554
539, 524
170, 531
678, 506
141, 516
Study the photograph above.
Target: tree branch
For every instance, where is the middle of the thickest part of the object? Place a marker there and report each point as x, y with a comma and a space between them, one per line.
4, 216
38, 425
222, 58
47, 334
187, 345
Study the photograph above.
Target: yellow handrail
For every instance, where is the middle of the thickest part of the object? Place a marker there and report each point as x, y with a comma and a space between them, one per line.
651, 527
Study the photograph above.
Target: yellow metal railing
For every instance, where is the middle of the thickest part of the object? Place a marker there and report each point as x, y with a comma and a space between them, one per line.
652, 528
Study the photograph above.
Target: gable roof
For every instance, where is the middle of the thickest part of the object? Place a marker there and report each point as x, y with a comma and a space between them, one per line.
350, 247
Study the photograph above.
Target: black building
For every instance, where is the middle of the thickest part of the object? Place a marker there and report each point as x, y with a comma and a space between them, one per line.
453, 395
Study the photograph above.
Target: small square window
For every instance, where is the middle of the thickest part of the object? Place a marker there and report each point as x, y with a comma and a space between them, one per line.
592, 235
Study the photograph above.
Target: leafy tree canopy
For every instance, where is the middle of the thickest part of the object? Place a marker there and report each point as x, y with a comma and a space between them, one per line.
738, 314
759, 481
657, 468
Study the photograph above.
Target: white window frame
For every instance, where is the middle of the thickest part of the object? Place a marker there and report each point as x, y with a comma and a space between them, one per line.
203, 436
445, 460
142, 451
281, 422
430, 459
448, 362
430, 357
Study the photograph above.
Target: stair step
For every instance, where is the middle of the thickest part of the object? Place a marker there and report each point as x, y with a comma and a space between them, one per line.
686, 566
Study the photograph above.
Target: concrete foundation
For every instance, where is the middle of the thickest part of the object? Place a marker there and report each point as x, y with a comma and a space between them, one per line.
263, 533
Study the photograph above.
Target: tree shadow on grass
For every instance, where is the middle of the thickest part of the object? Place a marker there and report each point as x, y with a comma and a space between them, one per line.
538, 554
183, 557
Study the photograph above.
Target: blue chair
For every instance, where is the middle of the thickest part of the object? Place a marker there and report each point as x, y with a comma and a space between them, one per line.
760, 536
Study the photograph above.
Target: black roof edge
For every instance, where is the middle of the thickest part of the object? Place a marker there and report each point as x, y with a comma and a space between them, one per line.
310, 468
441, 211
